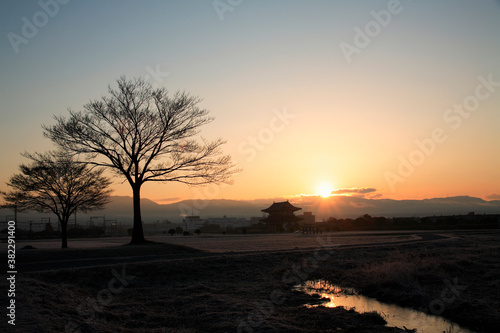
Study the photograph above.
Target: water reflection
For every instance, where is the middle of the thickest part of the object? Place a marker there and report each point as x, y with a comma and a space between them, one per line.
393, 314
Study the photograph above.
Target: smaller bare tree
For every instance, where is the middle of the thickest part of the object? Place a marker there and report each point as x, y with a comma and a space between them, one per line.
55, 182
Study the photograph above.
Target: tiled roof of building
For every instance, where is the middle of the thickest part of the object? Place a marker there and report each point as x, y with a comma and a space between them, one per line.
281, 206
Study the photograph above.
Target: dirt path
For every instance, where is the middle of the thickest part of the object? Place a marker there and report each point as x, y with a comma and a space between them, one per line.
33, 260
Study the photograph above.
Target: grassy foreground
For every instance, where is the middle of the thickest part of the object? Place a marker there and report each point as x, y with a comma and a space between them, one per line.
458, 279
253, 293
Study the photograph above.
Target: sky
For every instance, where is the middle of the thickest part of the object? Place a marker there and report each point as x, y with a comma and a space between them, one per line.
380, 99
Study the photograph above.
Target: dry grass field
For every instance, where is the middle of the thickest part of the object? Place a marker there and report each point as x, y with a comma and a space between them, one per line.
245, 283
236, 243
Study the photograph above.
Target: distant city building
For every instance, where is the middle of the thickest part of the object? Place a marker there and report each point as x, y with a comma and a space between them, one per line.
157, 227
191, 223
309, 224
225, 221
281, 217
255, 220
314, 228
307, 218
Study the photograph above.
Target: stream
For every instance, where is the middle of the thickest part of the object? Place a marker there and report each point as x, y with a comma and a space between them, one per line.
396, 316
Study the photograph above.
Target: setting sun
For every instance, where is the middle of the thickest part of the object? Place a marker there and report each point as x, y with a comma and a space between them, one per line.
324, 190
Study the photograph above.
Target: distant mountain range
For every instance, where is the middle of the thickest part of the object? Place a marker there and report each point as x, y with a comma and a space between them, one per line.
339, 206
120, 208
343, 206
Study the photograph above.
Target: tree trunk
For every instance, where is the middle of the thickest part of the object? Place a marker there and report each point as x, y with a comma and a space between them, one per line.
137, 232
64, 234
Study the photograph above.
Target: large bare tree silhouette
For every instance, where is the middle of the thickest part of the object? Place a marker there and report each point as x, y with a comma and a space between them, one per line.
144, 135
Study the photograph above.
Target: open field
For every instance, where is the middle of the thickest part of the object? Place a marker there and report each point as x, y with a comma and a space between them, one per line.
237, 243
172, 288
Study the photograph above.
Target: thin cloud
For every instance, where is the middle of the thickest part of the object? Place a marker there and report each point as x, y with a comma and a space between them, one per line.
375, 196
169, 199
493, 196
351, 191
364, 192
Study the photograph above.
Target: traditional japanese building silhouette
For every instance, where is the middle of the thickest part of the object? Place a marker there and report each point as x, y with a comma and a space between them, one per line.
281, 217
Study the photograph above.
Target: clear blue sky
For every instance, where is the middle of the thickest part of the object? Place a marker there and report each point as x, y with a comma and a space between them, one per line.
353, 115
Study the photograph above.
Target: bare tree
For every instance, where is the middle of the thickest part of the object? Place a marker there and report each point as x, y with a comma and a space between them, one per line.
145, 135
55, 182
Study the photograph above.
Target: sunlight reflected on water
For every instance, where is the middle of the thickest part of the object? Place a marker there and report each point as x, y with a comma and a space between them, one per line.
395, 315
